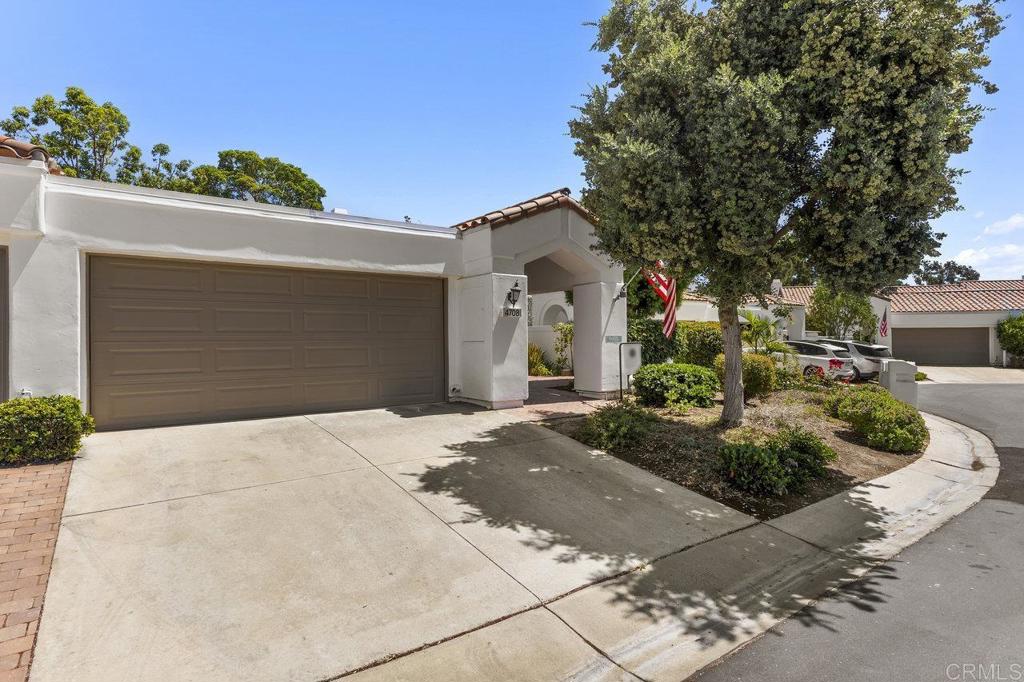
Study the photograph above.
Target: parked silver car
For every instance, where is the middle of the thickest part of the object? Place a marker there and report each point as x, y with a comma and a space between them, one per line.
867, 357
822, 359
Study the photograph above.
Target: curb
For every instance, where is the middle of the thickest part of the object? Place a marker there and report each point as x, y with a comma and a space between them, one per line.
713, 599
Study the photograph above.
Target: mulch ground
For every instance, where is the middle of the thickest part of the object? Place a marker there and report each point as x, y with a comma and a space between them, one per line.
682, 449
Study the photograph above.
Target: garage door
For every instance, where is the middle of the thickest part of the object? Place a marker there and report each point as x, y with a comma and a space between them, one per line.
182, 341
942, 346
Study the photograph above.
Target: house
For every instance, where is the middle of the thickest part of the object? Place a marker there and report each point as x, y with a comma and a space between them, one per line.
158, 307
954, 324
947, 324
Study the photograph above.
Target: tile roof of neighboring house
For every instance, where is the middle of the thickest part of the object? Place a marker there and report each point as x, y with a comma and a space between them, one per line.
797, 295
965, 297
524, 209
19, 149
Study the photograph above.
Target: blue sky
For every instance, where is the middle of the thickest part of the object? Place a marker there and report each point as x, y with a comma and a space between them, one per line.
439, 110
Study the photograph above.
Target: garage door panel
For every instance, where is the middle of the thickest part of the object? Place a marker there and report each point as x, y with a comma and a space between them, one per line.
144, 277
319, 320
200, 342
942, 345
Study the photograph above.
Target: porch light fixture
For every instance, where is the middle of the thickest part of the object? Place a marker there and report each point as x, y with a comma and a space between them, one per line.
513, 294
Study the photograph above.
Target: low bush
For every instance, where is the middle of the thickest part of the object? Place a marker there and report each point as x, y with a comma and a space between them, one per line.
754, 469
538, 365
697, 343
806, 455
614, 426
886, 422
784, 464
43, 429
654, 347
675, 384
920, 376
759, 374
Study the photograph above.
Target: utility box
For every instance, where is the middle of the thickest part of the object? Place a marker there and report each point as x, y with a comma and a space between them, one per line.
630, 360
898, 377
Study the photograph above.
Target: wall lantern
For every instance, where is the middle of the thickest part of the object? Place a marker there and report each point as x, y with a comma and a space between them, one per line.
513, 294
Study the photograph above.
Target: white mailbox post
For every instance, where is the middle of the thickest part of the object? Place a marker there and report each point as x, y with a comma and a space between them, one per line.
897, 377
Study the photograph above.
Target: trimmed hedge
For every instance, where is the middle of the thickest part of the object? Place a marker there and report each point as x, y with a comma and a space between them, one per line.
654, 347
698, 343
886, 423
675, 384
614, 426
759, 374
44, 429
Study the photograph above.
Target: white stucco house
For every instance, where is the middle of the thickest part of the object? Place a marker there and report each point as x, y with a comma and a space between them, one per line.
158, 307
946, 324
547, 310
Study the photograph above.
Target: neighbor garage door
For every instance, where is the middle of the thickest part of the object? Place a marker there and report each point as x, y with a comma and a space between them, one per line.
181, 341
942, 346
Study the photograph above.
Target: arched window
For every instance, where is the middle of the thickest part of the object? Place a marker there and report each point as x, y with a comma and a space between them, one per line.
554, 314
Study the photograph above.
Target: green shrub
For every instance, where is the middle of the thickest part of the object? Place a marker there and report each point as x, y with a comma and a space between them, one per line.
538, 366
48, 428
886, 422
920, 376
615, 426
754, 469
675, 384
564, 332
654, 347
697, 343
1011, 335
759, 374
805, 455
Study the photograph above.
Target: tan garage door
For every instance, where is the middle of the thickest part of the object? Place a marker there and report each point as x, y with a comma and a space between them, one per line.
182, 341
942, 346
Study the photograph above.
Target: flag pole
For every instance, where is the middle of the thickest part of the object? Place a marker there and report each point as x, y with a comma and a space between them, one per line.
623, 292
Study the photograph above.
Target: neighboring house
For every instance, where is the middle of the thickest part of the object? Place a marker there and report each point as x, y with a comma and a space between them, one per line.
701, 308
945, 324
953, 324
159, 307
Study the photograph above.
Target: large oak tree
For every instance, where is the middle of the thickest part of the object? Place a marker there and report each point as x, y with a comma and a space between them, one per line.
735, 140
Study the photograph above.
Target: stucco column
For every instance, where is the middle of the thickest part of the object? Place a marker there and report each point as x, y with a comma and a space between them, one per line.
45, 309
599, 326
493, 335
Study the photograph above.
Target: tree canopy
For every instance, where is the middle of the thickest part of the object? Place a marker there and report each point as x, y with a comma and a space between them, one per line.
90, 141
841, 314
950, 272
757, 138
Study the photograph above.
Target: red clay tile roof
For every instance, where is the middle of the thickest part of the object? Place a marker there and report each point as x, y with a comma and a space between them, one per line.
965, 297
19, 149
545, 202
797, 295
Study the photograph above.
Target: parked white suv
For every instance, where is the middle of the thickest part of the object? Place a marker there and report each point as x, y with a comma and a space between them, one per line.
822, 359
867, 357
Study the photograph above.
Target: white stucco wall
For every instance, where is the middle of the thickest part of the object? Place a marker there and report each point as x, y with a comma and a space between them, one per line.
51, 224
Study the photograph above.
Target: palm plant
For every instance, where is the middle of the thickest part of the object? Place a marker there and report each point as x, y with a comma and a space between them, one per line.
758, 332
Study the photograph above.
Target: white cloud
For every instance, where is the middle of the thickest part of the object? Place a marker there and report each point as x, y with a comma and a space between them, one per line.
1014, 222
1005, 261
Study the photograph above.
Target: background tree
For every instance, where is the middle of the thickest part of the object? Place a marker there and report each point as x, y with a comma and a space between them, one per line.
85, 138
732, 141
841, 314
950, 272
89, 140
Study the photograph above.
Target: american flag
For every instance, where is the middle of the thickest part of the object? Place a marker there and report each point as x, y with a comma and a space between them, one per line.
665, 287
883, 326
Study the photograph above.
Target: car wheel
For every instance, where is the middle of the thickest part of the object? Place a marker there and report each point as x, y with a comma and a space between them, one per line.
813, 371
856, 375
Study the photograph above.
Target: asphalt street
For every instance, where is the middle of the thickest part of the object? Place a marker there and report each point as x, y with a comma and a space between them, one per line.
950, 607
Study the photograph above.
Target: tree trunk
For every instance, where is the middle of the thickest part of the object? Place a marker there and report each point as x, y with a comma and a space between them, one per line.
732, 411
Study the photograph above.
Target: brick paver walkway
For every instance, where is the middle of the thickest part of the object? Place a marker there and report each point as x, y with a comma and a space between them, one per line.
31, 501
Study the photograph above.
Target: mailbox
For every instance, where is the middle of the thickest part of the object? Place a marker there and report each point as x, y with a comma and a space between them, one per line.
629, 362
898, 377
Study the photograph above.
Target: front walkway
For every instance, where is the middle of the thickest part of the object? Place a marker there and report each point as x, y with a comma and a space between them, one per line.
311, 547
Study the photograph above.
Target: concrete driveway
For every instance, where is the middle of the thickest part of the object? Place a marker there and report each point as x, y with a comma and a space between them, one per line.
973, 375
304, 548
